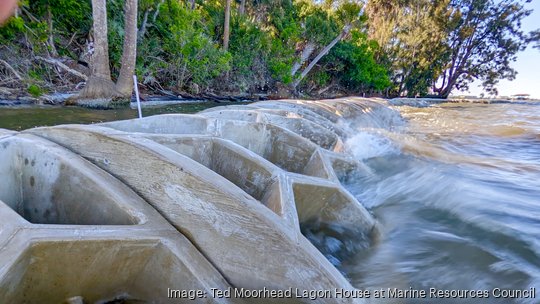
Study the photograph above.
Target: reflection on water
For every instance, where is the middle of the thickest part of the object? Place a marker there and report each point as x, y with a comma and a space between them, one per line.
457, 192
20, 118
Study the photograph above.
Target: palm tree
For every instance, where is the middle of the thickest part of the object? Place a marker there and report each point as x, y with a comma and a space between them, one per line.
99, 84
124, 84
226, 29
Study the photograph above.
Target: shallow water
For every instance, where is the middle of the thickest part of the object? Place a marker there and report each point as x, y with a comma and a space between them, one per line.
25, 117
456, 189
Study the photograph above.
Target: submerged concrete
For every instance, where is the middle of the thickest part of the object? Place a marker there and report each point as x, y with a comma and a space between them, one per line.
211, 200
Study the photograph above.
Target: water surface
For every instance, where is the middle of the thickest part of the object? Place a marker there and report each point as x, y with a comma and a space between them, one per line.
25, 117
456, 189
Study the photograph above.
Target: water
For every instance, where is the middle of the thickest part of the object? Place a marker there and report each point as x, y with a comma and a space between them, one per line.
456, 189
20, 118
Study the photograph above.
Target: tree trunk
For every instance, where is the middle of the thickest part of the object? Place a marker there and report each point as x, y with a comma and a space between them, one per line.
100, 56
306, 53
324, 51
50, 39
242, 8
99, 84
124, 85
445, 92
144, 24
226, 29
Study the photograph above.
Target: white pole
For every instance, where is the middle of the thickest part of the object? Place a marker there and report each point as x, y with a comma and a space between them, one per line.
137, 95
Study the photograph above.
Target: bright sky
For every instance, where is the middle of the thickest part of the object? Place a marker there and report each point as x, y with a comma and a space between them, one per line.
527, 65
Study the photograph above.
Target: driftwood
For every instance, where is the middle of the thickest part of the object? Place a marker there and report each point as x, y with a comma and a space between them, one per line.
11, 69
219, 99
64, 67
325, 89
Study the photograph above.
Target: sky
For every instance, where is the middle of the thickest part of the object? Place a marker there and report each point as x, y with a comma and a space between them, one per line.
527, 65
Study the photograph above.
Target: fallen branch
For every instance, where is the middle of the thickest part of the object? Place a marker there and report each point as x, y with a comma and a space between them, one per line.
325, 89
4, 82
71, 39
142, 29
344, 33
64, 67
11, 69
156, 12
144, 24
30, 16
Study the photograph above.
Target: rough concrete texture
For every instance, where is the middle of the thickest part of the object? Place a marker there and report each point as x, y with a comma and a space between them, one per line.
69, 229
211, 200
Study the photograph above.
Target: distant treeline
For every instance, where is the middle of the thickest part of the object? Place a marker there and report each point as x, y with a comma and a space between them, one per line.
274, 47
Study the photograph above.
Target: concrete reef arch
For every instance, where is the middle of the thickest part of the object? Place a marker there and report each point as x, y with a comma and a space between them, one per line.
218, 199
71, 230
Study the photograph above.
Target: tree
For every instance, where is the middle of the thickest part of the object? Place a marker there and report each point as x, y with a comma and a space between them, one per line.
242, 8
535, 37
124, 84
323, 52
319, 26
483, 40
226, 25
412, 36
352, 64
99, 84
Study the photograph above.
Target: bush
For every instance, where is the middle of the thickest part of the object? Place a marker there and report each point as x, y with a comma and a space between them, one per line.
186, 51
35, 90
353, 64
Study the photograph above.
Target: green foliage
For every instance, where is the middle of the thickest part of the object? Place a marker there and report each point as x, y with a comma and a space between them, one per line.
115, 32
250, 49
484, 38
318, 26
14, 26
35, 90
353, 63
403, 47
411, 34
69, 15
35, 74
350, 11
284, 23
447, 44
187, 49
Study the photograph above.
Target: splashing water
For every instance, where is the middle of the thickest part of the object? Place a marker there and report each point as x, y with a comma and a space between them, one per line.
456, 190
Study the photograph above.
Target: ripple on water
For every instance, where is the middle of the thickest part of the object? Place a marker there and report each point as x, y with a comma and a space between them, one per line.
457, 195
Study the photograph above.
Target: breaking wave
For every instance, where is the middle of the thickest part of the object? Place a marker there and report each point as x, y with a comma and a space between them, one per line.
456, 189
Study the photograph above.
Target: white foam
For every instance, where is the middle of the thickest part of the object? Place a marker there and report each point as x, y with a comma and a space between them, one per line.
365, 145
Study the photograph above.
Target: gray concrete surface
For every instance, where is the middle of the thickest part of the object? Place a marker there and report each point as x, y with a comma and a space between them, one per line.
219, 199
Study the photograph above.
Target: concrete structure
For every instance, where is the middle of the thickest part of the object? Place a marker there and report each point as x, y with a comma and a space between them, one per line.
128, 209
70, 230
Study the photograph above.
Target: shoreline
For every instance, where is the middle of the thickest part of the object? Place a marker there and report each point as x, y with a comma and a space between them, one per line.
59, 100
147, 100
